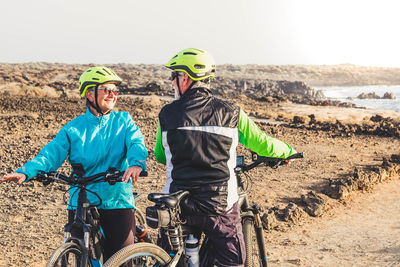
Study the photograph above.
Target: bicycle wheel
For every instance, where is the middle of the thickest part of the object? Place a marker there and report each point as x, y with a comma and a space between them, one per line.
66, 255
140, 217
250, 242
140, 254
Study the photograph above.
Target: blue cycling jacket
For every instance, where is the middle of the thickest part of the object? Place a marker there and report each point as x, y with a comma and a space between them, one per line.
112, 140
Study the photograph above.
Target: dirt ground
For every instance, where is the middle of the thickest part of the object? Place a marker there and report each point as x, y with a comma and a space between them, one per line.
360, 230
363, 233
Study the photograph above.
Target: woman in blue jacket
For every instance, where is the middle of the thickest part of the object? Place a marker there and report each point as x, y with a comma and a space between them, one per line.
99, 139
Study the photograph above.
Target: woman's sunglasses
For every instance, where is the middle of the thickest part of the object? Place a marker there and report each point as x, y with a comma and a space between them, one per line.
108, 90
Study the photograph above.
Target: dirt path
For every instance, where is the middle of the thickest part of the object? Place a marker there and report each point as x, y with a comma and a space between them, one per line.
364, 233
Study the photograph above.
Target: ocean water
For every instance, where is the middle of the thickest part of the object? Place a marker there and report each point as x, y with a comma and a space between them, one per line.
341, 93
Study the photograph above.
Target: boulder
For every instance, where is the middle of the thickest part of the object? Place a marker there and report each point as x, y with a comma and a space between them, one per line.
315, 204
388, 95
371, 95
269, 221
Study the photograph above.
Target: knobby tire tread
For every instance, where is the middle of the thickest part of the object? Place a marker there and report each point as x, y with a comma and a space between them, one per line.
122, 255
140, 217
248, 227
63, 250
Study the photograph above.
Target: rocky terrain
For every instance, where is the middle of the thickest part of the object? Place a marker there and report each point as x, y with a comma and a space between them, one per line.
373, 95
347, 160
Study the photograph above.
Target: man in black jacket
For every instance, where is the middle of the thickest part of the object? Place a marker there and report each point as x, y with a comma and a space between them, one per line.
197, 137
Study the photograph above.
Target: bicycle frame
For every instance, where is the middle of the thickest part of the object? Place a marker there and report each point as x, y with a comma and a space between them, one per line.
84, 230
80, 217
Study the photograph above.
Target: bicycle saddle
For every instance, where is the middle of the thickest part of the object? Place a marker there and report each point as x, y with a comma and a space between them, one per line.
170, 200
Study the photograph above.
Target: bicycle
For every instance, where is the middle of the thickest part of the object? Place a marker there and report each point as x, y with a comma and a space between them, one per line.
251, 214
166, 214
86, 250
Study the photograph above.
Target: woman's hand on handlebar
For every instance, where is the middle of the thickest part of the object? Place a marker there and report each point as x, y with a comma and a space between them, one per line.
133, 172
14, 177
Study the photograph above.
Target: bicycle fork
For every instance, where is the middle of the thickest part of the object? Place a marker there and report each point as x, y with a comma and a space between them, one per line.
259, 232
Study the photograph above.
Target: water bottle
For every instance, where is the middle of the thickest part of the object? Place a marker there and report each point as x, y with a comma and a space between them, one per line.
142, 235
192, 251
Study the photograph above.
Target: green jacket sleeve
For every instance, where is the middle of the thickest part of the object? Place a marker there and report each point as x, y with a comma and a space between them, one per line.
259, 142
159, 152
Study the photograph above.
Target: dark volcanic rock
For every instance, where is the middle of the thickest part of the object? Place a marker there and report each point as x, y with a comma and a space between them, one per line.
373, 95
388, 95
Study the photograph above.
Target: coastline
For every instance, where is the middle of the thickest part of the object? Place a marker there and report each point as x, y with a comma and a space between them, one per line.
344, 114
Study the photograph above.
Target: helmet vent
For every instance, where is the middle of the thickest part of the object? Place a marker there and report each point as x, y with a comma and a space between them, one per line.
199, 66
107, 71
190, 53
95, 79
99, 72
174, 63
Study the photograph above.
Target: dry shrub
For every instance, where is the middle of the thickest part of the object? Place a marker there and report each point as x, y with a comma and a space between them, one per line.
17, 89
10, 88
46, 91
266, 113
329, 120
242, 97
367, 122
72, 94
301, 119
285, 116
355, 119
153, 101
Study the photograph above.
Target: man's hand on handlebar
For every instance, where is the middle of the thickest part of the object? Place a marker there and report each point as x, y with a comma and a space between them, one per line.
14, 177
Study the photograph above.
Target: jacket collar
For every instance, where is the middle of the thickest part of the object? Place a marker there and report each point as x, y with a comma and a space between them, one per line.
102, 120
198, 91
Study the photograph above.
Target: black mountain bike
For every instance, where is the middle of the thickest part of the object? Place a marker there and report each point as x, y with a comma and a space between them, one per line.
87, 249
251, 214
166, 214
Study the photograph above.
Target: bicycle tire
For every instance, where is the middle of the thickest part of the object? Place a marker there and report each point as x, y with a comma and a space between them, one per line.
62, 256
139, 253
248, 225
140, 217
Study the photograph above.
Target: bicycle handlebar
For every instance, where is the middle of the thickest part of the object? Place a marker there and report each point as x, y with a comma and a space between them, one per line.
256, 157
112, 176
271, 162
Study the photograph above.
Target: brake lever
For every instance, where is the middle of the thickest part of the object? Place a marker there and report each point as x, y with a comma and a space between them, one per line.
43, 178
274, 164
113, 176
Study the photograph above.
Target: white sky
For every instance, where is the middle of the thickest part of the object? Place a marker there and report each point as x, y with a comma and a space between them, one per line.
362, 32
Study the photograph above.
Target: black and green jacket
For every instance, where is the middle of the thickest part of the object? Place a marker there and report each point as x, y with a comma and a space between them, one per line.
197, 137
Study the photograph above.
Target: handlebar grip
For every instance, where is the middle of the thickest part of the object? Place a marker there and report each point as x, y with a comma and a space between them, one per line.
44, 178
296, 156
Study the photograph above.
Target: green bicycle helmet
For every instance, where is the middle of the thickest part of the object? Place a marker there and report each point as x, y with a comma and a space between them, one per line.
95, 76
196, 63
